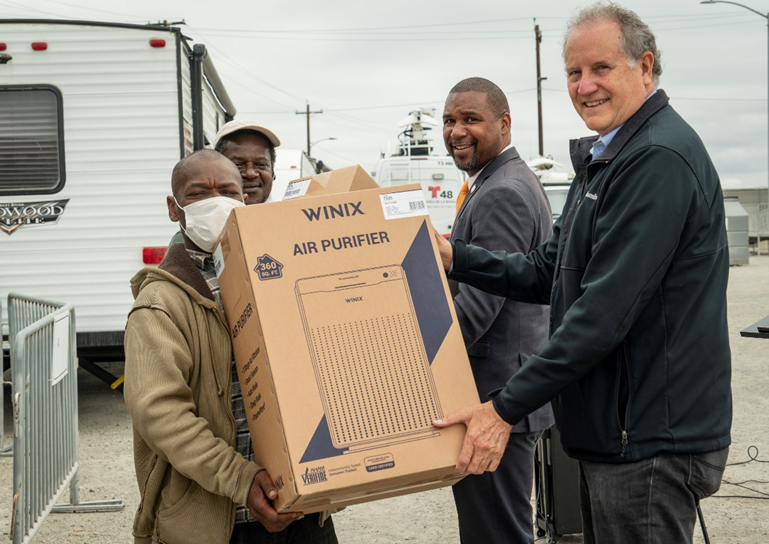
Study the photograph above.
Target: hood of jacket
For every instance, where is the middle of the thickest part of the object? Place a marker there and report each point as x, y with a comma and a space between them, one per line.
177, 267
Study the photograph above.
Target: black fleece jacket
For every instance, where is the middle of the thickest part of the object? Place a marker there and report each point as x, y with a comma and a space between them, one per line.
638, 361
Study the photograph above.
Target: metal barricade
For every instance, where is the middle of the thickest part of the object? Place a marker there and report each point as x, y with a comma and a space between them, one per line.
5, 451
45, 448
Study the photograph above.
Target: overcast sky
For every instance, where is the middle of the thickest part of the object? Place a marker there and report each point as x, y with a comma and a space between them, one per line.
367, 64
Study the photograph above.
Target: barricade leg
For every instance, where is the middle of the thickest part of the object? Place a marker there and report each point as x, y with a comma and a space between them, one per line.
5, 450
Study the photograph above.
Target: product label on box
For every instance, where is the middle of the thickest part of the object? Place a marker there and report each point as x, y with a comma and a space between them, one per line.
337, 211
379, 462
249, 384
218, 260
297, 188
268, 268
404, 204
248, 311
345, 469
342, 242
314, 475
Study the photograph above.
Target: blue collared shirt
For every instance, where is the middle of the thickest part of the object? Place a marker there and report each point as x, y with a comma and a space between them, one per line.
603, 142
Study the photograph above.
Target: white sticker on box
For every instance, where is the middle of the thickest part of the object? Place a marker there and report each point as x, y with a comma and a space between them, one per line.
218, 260
297, 188
60, 351
404, 204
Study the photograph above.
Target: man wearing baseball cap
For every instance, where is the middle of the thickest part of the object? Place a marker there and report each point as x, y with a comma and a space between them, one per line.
252, 148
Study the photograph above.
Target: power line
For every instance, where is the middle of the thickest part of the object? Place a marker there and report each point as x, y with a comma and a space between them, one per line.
358, 127
703, 99
387, 106
379, 32
281, 112
370, 164
260, 80
687, 17
410, 104
355, 119
399, 27
450, 36
246, 71
358, 122
362, 39
16, 5
252, 91
97, 9
719, 99
373, 125
745, 22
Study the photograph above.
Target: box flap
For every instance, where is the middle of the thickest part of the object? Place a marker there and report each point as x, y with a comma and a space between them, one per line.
342, 180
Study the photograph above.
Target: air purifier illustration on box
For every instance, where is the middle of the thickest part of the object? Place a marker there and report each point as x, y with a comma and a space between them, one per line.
370, 364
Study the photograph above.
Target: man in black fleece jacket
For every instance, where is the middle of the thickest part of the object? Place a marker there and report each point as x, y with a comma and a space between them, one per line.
638, 363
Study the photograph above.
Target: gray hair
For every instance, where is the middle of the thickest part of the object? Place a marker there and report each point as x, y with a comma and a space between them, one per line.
637, 37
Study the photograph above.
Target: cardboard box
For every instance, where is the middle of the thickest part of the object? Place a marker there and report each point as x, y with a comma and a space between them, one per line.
344, 180
346, 342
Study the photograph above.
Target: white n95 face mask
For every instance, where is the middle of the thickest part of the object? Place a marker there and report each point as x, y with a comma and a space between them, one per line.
205, 219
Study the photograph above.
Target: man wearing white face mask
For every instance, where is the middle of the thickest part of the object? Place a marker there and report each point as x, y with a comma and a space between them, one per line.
181, 391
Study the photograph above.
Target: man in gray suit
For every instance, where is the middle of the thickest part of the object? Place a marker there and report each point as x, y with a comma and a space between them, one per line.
502, 206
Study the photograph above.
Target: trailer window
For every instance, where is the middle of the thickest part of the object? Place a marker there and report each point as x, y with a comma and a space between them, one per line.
31, 140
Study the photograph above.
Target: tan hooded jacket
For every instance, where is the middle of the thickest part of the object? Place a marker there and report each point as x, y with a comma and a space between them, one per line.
178, 383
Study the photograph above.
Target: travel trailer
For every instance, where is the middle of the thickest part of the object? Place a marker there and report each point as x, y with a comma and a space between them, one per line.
93, 117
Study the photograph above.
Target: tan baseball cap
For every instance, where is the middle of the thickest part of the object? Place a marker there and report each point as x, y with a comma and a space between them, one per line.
237, 125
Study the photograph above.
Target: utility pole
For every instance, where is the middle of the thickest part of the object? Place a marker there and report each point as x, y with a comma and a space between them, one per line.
540, 79
308, 113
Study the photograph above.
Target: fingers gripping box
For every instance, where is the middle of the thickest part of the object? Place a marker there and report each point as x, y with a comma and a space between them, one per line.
346, 342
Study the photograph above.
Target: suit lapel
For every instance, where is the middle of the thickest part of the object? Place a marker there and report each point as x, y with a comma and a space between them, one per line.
492, 167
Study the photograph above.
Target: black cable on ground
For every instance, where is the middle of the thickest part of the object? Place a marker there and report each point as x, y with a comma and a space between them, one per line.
752, 457
702, 524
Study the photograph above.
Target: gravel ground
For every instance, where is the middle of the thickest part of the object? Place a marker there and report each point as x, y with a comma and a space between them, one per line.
107, 468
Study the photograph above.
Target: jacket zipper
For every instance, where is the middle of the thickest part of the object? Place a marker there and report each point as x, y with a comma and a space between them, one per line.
623, 427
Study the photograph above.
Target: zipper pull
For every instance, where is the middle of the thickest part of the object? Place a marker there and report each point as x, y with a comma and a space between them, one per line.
624, 443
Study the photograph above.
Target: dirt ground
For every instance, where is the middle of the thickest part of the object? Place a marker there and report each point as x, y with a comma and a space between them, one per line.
107, 468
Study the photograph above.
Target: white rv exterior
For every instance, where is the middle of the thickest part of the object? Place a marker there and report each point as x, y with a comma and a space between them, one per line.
106, 112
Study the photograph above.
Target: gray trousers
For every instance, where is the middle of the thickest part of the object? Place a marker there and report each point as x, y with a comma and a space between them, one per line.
653, 501
495, 507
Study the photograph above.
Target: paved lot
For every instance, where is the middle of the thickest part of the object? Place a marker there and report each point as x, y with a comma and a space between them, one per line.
107, 466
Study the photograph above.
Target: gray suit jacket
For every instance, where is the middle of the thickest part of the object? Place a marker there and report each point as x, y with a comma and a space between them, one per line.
508, 210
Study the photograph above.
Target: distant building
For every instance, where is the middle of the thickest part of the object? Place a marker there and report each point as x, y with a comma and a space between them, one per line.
755, 202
